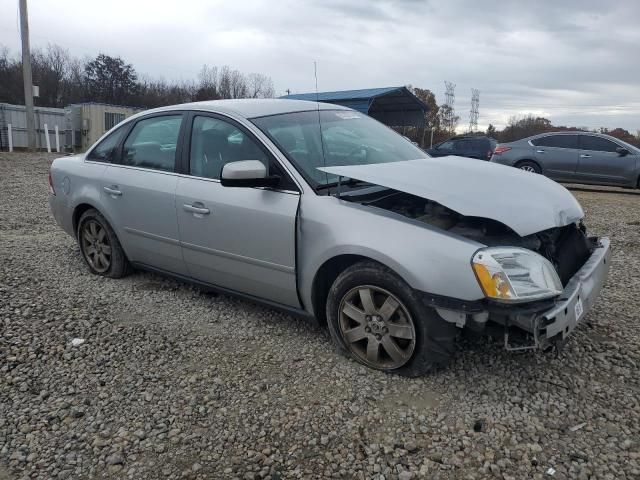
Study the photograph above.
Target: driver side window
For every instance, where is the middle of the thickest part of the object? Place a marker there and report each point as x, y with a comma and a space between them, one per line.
215, 142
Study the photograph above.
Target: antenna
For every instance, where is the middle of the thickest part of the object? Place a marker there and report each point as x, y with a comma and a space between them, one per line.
474, 113
450, 97
324, 160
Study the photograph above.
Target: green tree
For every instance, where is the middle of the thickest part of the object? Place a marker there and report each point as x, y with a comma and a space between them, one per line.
110, 79
432, 120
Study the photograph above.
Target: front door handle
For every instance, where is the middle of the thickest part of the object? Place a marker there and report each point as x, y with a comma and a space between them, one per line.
539, 151
113, 190
584, 155
196, 208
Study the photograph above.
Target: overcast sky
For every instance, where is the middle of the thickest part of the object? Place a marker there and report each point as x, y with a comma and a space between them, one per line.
576, 62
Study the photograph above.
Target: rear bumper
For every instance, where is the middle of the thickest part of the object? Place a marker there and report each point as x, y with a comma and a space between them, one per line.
60, 211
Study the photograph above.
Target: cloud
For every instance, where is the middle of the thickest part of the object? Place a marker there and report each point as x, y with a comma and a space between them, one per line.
574, 61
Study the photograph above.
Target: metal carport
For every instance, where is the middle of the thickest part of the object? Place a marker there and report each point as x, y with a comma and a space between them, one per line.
393, 106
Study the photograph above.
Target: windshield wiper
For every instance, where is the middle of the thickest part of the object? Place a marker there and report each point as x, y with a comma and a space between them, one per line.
349, 183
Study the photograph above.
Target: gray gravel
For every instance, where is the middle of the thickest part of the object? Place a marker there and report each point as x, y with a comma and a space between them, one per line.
173, 382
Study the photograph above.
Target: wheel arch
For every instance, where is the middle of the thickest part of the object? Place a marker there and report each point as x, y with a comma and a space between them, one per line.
530, 160
85, 205
327, 274
77, 213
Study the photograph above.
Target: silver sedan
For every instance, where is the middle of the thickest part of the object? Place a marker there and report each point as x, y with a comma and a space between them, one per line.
323, 212
574, 157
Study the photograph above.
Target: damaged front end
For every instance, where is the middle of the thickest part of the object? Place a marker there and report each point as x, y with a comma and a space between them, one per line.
576, 267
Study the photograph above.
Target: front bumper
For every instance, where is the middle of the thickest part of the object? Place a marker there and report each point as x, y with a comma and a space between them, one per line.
552, 325
578, 296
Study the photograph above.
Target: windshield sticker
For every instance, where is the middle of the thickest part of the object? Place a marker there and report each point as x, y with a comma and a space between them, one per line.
347, 115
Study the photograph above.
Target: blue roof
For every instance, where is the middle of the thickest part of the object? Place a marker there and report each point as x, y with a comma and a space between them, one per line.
386, 98
363, 94
393, 106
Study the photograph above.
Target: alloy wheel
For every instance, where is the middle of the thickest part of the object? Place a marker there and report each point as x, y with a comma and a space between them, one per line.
95, 246
376, 327
528, 168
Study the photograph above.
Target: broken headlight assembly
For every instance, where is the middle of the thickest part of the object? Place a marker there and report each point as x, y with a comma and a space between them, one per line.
513, 275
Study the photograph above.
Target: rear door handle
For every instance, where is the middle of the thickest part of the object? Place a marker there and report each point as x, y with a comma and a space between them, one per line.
539, 151
113, 190
196, 208
584, 155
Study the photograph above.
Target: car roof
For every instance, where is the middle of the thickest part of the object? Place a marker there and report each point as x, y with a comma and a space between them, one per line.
250, 107
457, 137
573, 132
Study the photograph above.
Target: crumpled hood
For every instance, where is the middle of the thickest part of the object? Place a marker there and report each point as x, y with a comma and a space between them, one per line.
525, 202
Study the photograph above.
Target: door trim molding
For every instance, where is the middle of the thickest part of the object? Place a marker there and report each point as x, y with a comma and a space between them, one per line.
240, 258
152, 236
291, 310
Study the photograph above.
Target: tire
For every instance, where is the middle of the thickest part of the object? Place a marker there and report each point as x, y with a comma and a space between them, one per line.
433, 342
100, 247
529, 166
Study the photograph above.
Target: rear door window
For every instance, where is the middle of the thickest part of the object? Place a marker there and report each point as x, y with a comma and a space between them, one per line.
557, 141
598, 144
152, 143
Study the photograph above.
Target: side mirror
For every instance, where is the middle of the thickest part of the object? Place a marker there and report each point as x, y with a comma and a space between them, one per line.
247, 173
622, 151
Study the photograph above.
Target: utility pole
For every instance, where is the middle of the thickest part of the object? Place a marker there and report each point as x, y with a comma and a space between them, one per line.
26, 75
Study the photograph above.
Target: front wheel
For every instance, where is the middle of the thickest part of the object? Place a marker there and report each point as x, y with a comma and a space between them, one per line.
377, 319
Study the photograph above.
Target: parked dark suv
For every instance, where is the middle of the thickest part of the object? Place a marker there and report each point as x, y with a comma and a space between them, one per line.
472, 146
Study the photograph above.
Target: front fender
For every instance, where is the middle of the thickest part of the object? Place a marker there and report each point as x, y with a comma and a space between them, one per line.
427, 258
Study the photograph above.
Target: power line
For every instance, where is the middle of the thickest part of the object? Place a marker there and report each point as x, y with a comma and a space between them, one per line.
474, 113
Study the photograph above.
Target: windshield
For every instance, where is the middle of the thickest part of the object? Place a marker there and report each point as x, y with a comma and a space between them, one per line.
348, 138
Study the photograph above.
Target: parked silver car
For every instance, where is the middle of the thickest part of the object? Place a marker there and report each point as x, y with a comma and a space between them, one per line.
574, 157
324, 212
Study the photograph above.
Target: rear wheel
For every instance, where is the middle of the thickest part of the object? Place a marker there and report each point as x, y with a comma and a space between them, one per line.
100, 247
529, 166
377, 319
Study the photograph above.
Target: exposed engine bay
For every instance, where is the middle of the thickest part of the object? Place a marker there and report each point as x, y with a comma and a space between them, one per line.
567, 248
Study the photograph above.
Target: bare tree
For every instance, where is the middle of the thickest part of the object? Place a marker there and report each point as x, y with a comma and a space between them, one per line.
238, 85
208, 86
64, 79
259, 86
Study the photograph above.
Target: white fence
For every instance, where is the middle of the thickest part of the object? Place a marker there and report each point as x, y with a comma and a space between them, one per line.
50, 124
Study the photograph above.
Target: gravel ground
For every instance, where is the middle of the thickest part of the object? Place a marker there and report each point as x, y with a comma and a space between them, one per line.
174, 382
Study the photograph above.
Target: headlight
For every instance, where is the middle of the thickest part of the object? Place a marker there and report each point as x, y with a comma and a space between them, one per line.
510, 274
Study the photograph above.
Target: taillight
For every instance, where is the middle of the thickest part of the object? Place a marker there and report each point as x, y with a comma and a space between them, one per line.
500, 150
52, 190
